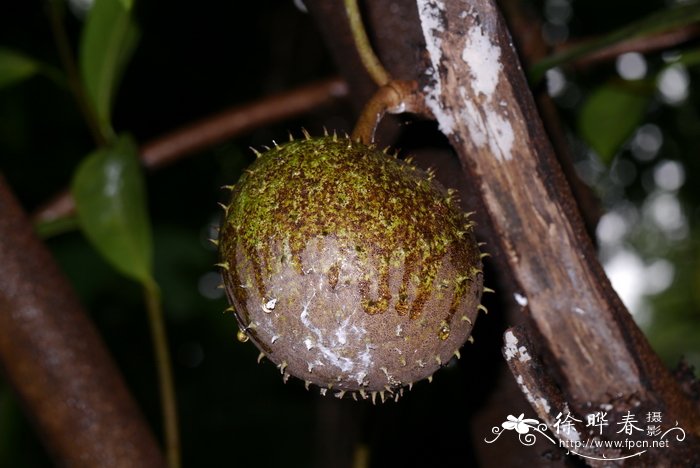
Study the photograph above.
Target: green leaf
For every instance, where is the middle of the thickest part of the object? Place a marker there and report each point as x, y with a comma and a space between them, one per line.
15, 67
657, 22
108, 41
609, 116
690, 58
127, 4
110, 198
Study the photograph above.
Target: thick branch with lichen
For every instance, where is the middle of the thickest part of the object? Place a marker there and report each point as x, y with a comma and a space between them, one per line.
482, 103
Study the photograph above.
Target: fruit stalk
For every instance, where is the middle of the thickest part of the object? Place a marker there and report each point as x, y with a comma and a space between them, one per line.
395, 97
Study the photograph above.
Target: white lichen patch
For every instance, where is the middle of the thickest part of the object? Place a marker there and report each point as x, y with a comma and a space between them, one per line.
520, 299
501, 134
484, 60
485, 116
341, 333
512, 349
540, 402
431, 19
365, 365
329, 351
269, 306
511, 343
472, 117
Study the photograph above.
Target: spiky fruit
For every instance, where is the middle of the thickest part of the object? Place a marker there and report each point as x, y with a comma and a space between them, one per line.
348, 268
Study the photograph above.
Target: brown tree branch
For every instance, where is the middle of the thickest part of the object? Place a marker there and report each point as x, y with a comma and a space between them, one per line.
213, 130
480, 97
644, 45
525, 26
54, 359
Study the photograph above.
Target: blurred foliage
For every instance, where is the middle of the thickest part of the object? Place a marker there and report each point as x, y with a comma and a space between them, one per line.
15, 67
675, 16
194, 59
640, 155
108, 40
609, 116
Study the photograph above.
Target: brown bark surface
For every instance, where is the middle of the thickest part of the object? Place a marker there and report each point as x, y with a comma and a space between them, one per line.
53, 357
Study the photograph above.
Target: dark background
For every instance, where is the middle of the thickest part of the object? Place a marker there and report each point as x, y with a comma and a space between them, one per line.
197, 58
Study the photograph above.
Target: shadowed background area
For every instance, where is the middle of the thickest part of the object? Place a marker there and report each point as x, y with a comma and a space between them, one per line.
198, 59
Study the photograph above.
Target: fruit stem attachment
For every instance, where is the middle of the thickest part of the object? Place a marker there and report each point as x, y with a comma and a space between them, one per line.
395, 97
165, 373
364, 49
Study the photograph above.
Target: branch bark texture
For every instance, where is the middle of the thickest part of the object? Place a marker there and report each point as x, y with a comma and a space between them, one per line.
489, 116
54, 359
477, 90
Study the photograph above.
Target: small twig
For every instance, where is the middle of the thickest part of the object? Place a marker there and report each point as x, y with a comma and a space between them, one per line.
213, 130
654, 24
168, 402
74, 82
643, 45
364, 49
